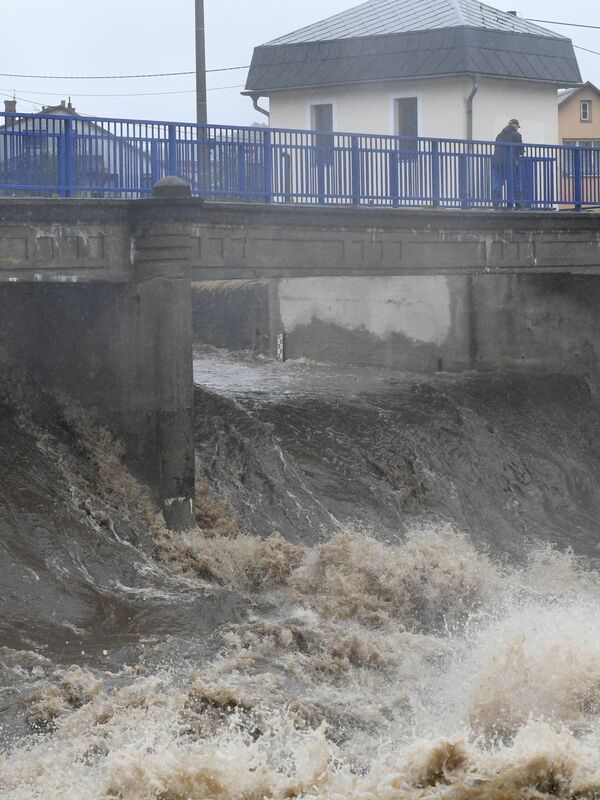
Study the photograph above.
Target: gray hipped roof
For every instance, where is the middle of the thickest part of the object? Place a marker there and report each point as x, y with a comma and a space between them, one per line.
401, 39
377, 17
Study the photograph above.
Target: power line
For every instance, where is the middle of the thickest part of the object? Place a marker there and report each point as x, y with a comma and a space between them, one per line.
569, 24
22, 99
587, 50
115, 77
128, 94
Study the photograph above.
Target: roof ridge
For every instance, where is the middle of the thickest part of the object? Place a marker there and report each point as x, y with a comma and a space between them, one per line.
458, 5
375, 17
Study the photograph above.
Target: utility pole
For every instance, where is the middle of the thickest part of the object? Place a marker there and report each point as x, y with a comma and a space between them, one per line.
201, 112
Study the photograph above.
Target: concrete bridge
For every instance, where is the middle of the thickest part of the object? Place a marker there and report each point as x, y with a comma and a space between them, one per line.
105, 240
95, 294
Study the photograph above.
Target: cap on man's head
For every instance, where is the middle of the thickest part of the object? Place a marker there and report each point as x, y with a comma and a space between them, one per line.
514, 121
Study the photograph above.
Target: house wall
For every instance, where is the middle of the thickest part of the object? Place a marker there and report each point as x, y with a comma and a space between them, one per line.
370, 109
570, 125
533, 104
442, 107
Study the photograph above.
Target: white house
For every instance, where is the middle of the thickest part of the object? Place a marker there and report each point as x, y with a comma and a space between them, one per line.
444, 68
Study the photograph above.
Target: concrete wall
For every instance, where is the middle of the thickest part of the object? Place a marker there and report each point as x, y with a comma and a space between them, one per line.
545, 323
122, 352
232, 314
537, 323
404, 323
442, 107
120, 347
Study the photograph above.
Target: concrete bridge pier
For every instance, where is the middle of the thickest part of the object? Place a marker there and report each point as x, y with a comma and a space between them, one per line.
119, 347
156, 412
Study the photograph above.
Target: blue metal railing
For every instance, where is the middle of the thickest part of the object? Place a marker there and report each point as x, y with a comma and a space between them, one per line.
66, 156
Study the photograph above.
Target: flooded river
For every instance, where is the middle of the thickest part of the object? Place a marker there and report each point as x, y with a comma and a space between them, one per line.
392, 593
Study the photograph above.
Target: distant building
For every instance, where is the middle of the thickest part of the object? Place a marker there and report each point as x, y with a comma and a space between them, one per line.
579, 125
446, 68
579, 115
32, 151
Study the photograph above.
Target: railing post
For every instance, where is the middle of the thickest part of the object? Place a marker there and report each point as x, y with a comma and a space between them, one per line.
155, 162
529, 183
577, 194
173, 161
203, 171
321, 183
241, 169
510, 175
435, 174
394, 183
268, 165
355, 170
286, 172
67, 170
463, 179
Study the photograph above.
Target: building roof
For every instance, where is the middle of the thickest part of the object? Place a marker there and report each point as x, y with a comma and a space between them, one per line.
401, 39
377, 17
566, 94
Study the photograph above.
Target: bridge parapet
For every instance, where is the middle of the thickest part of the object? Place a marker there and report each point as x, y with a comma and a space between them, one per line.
50, 240
241, 241
113, 240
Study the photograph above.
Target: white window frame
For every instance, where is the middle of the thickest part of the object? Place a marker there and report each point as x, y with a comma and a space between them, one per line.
392, 110
585, 110
324, 102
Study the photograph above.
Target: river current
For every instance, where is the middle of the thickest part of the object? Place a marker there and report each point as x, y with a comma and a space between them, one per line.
392, 592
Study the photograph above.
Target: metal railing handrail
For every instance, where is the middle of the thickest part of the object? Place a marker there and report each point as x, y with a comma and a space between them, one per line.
69, 155
260, 128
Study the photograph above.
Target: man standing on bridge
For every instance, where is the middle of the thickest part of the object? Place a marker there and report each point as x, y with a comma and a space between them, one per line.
505, 165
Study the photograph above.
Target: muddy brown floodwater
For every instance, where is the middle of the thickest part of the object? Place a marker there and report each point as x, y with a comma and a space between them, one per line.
392, 593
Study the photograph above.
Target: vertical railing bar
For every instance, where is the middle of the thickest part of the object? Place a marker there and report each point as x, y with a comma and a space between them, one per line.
577, 179
172, 149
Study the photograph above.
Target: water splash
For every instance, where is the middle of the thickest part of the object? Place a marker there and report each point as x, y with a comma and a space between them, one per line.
356, 661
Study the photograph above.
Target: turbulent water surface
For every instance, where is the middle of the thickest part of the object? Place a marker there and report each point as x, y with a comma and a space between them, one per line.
392, 592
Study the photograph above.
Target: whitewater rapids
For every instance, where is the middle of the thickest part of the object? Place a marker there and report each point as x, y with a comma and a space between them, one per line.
392, 593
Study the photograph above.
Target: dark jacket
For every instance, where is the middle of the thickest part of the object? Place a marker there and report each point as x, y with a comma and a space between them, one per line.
501, 153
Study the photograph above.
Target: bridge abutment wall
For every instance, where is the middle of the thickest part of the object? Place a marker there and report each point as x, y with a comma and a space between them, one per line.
539, 323
121, 347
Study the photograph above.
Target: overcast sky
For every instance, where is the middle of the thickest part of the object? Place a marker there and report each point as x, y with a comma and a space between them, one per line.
77, 37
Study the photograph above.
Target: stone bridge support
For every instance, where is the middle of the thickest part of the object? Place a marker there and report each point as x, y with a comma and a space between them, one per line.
121, 349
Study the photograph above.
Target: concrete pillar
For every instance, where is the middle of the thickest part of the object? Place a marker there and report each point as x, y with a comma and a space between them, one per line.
159, 377
123, 350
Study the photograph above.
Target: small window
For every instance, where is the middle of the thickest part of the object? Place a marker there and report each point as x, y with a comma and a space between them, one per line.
585, 110
407, 124
407, 121
589, 158
322, 117
322, 120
